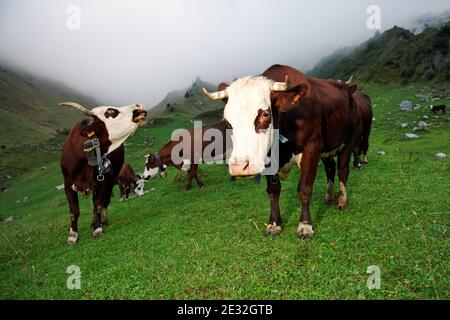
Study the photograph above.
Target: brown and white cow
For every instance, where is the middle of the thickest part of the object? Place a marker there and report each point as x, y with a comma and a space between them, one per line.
128, 181
364, 117
111, 126
317, 119
157, 163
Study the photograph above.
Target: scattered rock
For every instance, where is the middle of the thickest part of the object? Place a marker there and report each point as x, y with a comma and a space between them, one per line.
8, 177
406, 105
417, 107
403, 125
44, 168
421, 126
6, 219
373, 119
425, 117
4, 189
60, 187
381, 153
440, 155
410, 136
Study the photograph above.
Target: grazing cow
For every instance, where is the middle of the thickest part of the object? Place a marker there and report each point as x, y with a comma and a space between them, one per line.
158, 162
435, 109
364, 117
316, 119
129, 181
92, 157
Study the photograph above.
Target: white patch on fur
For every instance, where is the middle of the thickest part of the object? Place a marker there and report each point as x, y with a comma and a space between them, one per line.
120, 127
273, 228
73, 237
186, 165
286, 169
305, 230
245, 97
150, 173
342, 200
98, 232
139, 190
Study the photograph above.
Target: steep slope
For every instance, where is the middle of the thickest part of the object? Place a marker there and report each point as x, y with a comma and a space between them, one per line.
29, 111
187, 103
395, 55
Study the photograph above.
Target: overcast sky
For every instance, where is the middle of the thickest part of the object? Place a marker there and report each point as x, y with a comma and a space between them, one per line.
136, 51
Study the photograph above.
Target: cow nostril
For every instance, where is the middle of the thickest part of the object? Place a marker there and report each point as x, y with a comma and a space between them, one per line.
265, 114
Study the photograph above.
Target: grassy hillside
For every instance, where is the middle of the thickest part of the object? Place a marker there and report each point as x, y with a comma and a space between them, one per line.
28, 108
209, 243
397, 55
187, 104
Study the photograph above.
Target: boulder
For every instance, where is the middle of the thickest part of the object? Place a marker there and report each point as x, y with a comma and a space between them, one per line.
410, 136
440, 155
406, 105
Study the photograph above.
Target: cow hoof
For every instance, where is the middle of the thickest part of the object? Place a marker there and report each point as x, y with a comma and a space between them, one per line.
188, 187
305, 231
329, 199
201, 186
73, 237
341, 203
97, 232
273, 230
365, 159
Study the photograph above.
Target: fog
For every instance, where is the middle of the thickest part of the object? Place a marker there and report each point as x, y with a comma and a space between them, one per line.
137, 51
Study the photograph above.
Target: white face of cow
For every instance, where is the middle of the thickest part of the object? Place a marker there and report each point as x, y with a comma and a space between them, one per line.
139, 190
248, 98
121, 122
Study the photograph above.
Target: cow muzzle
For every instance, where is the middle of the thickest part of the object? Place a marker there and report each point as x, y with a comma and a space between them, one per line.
244, 168
139, 114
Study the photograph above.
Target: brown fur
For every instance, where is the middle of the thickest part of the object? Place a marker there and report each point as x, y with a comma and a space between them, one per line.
317, 116
79, 176
166, 150
127, 180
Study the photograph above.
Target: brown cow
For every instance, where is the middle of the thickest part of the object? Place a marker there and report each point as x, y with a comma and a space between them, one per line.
157, 163
364, 117
128, 181
315, 117
108, 128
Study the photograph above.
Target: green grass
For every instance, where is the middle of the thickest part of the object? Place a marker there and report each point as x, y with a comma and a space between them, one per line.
209, 243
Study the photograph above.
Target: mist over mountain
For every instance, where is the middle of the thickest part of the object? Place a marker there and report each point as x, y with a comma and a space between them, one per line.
394, 55
29, 110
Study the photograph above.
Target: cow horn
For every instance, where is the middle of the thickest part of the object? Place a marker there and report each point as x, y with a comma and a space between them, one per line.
349, 80
218, 95
281, 86
78, 107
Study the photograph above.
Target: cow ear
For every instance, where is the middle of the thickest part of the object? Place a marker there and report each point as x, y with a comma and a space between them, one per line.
284, 100
353, 88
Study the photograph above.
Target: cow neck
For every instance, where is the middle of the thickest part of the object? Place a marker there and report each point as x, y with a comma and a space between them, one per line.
97, 127
165, 157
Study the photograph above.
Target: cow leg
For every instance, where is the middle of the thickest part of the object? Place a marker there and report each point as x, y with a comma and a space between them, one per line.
357, 149
309, 164
330, 170
343, 171
365, 146
194, 169
102, 197
273, 191
72, 198
189, 179
122, 192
